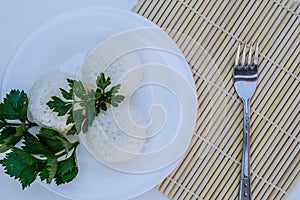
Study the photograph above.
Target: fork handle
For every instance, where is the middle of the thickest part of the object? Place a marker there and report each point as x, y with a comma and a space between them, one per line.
245, 187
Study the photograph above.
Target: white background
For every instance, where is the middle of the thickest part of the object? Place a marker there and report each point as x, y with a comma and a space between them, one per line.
18, 18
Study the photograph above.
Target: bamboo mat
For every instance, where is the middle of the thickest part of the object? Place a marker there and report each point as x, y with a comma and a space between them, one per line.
207, 33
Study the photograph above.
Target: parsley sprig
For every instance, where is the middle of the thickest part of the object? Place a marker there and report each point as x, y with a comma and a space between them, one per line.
45, 154
82, 105
13, 119
48, 154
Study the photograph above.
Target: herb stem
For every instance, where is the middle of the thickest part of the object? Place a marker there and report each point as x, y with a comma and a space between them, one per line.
74, 146
28, 124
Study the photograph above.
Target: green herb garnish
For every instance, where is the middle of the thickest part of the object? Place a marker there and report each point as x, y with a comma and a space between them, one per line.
13, 119
44, 155
82, 105
48, 154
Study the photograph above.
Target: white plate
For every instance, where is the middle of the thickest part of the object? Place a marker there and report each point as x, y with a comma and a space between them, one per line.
62, 43
154, 77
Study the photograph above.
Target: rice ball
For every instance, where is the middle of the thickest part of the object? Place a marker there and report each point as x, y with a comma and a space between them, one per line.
124, 70
40, 94
108, 142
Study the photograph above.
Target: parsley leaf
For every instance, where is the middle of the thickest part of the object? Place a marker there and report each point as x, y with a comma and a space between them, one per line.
29, 175
16, 162
51, 167
67, 170
66, 178
10, 136
44, 174
14, 106
27, 162
68, 94
82, 105
41, 154
13, 119
106, 97
60, 106
34, 146
53, 140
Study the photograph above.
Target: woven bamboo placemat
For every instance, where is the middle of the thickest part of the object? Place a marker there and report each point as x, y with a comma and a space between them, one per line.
207, 33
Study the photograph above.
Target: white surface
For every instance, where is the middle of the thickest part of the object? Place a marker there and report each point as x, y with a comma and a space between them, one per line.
14, 29
151, 195
19, 18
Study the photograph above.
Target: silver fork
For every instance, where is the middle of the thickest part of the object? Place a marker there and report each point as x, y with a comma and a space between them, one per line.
245, 81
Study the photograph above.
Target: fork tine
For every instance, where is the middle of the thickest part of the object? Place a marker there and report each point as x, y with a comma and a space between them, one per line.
244, 56
250, 54
256, 55
237, 56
